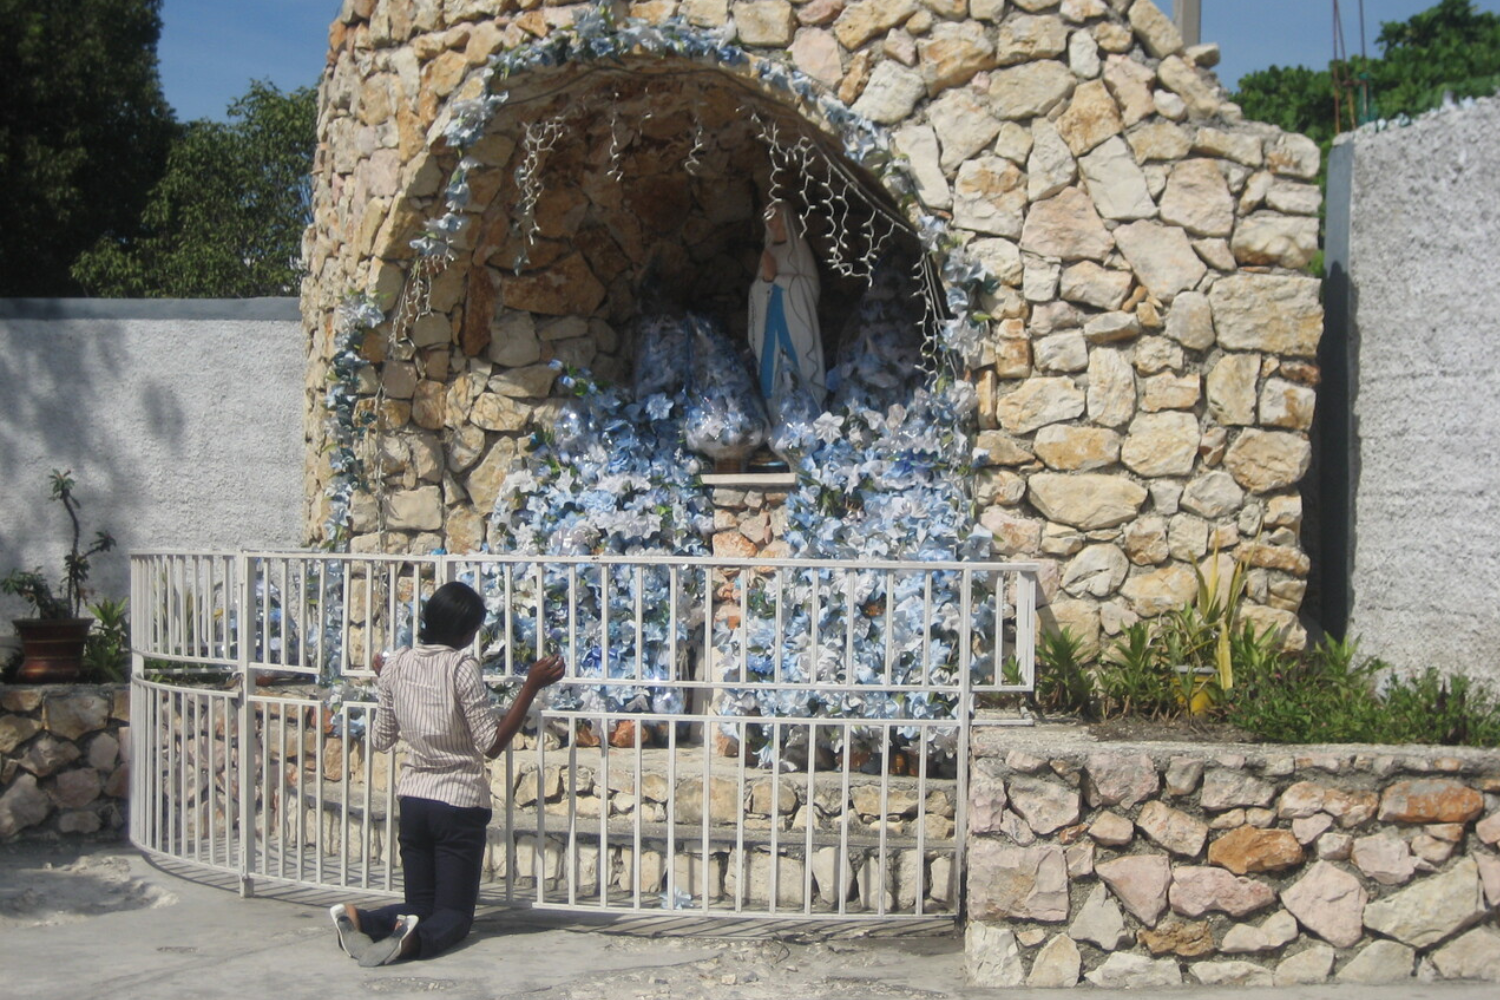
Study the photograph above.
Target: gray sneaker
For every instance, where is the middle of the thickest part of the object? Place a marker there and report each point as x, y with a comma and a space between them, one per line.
352, 941
389, 949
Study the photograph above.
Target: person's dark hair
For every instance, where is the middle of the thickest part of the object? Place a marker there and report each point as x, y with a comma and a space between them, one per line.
451, 615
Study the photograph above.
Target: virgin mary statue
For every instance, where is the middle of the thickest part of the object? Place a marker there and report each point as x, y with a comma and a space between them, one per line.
784, 308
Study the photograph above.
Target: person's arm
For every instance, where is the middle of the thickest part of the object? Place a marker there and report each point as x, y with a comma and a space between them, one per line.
384, 729
543, 673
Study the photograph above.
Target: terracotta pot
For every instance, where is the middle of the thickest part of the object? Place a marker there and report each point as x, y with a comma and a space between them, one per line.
52, 649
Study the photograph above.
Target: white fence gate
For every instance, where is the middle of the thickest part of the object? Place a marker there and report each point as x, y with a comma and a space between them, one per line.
732, 737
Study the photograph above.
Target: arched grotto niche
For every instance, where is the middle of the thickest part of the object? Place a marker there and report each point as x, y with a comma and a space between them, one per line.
591, 199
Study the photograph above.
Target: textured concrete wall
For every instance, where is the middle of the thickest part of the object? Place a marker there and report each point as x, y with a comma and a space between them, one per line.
1424, 226
181, 421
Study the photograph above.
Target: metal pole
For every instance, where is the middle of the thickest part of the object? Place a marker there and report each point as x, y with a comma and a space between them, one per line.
1188, 14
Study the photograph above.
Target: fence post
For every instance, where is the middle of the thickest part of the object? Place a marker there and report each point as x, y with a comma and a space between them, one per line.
246, 768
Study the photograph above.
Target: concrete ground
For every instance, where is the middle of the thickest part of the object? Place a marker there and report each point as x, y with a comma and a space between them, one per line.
100, 921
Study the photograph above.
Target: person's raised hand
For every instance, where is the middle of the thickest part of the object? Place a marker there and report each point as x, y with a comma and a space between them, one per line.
545, 672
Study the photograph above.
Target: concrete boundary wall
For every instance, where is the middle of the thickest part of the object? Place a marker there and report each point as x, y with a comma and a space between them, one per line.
1418, 287
181, 421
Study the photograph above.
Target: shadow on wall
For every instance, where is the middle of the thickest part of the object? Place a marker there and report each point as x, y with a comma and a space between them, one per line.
178, 420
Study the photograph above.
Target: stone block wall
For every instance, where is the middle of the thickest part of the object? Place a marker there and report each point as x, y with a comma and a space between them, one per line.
1148, 381
1152, 865
64, 760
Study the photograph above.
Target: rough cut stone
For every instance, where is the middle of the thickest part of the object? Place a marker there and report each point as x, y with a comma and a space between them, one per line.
989, 196
71, 715
1230, 387
1099, 921
1096, 571
1111, 392
919, 144
1161, 444
1039, 402
1057, 964
1045, 805
1050, 166
964, 126
1096, 286
1190, 321
1242, 147
1170, 392
1065, 226
1125, 971
1033, 89
1379, 962
1330, 903
1262, 461
893, 90
863, 21
1027, 38
994, 957
1022, 883
76, 788
45, 756
1072, 449
1279, 314
1083, 55
1308, 967
17, 729
1385, 858
1092, 117
1274, 240
1198, 199
1475, 955
1350, 809
1294, 155
1430, 910
1188, 939
1197, 890
1430, 800
1112, 328
1162, 257
1115, 182
1087, 501
1249, 850
1225, 788
1278, 930
23, 805
1160, 591
1111, 829
1140, 882
951, 54
1199, 96
1172, 829
1286, 405
1155, 29
765, 22
1213, 494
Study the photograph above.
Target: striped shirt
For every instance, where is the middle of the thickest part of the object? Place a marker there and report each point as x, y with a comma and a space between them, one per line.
432, 697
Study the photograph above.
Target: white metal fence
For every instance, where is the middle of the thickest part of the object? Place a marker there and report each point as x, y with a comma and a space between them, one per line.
741, 737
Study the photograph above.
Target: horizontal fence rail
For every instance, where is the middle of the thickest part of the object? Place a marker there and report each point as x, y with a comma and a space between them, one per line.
733, 737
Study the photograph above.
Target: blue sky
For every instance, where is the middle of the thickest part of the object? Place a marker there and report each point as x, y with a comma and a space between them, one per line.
211, 49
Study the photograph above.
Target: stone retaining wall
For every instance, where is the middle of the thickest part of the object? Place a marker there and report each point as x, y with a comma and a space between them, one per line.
64, 760
1150, 865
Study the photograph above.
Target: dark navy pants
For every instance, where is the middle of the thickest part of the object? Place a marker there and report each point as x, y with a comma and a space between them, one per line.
442, 859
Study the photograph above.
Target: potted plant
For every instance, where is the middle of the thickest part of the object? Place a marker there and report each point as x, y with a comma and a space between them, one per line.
52, 642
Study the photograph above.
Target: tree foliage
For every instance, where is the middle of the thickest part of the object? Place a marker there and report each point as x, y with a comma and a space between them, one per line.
227, 218
84, 131
1450, 47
